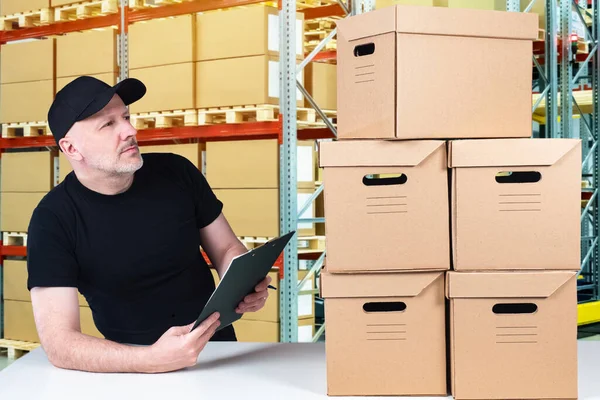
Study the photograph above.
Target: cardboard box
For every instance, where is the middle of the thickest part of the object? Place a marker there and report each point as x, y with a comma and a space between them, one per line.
169, 87
270, 312
498, 5
321, 84
426, 3
26, 101
255, 212
508, 330
27, 171
385, 333
86, 53
19, 322
16, 210
483, 90
9, 7
109, 78
254, 164
269, 332
516, 204
191, 151
242, 32
239, 82
390, 195
27, 61
162, 41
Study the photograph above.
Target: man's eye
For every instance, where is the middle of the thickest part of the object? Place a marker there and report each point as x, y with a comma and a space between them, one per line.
109, 123
127, 117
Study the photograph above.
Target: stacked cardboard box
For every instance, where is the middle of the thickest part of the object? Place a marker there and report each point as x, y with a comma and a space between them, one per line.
464, 76
27, 81
11, 7
263, 326
19, 322
237, 56
245, 177
26, 178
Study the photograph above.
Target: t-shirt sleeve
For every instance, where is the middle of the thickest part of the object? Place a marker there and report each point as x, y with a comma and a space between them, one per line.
51, 260
208, 206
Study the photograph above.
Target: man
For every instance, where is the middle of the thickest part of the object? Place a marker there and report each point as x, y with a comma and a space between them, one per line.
125, 231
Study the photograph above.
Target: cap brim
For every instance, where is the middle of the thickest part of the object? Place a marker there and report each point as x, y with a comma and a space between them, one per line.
129, 90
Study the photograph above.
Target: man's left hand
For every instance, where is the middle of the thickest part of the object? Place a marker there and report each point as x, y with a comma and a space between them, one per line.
255, 301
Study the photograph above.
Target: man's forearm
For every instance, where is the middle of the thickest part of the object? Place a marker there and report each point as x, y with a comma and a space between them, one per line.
74, 350
233, 251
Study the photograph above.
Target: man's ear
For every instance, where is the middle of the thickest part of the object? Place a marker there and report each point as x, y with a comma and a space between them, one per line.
68, 147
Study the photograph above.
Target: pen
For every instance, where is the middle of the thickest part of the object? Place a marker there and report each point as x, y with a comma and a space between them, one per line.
272, 287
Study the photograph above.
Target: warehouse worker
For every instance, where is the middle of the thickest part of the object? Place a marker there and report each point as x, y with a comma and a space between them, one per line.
125, 231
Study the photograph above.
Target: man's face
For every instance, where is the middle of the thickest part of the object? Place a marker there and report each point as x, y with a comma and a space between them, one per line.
107, 140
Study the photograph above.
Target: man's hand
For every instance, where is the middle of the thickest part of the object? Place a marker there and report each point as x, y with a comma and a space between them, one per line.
255, 301
179, 348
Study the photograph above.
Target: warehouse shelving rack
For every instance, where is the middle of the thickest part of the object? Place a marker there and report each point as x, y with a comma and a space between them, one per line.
244, 131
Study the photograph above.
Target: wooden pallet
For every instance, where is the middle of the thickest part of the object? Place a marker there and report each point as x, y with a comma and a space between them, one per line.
14, 238
307, 117
165, 119
85, 9
26, 19
134, 4
303, 4
16, 349
25, 129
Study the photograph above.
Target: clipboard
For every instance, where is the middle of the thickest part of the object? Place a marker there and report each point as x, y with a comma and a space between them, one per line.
244, 273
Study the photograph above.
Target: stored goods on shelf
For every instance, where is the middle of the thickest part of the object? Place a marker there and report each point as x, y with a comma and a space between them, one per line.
16, 210
163, 41
516, 204
26, 101
513, 335
386, 333
242, 32
269, 332
83, 9
483, 89
27, 171
321, 84
386, 205
169, 87
86, 53
9, 7
498, 5
240, 81
425, 3
27, 61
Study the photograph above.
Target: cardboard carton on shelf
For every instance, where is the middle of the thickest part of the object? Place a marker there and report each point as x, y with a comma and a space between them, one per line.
255, 212
86, 53
386, 205
27, 61
16, 209
270, 312
385, 333
513, 335
426, 3
321, 84
498, 5
391, 84
247, 330
242, 32
26, 101
516, 204
169, 87
162, 41
27, 171
240, 81
9, 7
254, 164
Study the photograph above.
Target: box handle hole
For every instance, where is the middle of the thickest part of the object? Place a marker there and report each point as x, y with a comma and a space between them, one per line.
384, 179
515, 308
392, 306
518, 177
364, 50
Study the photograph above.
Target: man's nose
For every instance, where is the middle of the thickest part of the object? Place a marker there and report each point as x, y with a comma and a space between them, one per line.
127, 130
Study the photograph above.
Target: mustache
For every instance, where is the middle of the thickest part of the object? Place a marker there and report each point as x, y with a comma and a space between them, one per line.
128, 145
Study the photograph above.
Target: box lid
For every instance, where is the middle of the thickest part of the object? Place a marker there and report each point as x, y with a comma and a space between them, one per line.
405, 284
472, 285
441, 21
509, 152
376, 153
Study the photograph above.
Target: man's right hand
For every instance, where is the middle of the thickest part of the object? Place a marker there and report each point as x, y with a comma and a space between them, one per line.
179, 348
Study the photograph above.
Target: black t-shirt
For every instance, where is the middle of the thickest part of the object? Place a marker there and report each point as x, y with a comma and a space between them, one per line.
134, 256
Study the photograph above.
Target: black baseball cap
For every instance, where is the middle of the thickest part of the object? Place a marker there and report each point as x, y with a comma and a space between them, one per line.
84, 97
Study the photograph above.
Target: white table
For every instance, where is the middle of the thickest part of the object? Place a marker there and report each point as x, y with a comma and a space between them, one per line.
224, 371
